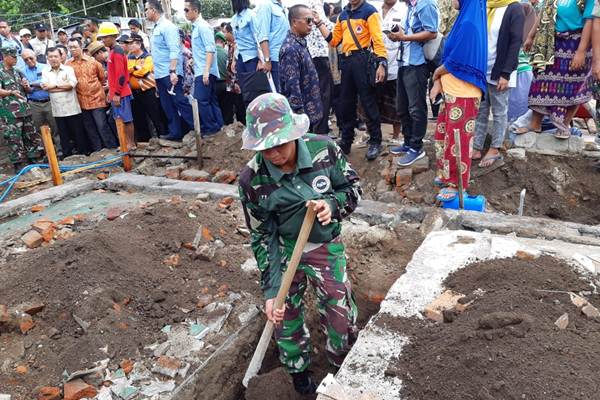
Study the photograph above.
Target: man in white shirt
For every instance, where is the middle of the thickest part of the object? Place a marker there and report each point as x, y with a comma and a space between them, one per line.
60, 81
393, 16
41, 43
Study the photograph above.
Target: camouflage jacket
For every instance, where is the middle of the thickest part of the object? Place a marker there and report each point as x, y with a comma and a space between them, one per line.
13, 105
274, 202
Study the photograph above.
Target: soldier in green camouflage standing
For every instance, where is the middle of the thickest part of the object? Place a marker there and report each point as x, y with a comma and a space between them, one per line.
292, 167
15, 115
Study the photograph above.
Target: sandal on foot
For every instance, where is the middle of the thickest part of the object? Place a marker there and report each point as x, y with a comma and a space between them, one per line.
524, 130
447, 194
491, 160
563, 135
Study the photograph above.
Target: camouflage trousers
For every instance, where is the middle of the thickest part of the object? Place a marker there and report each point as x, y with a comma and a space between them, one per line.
596, 93
23, 140
324, 266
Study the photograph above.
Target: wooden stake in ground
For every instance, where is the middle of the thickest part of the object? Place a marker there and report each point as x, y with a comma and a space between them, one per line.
51, 154
286, 282
461, 203
197, 134
123, 145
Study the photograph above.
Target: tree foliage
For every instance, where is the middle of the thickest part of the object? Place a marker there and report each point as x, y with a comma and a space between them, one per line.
216, 9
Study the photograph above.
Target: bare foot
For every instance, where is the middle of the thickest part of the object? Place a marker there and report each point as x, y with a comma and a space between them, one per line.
476, 155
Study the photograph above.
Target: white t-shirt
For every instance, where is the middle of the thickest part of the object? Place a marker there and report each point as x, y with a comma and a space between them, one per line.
395, 16
492, 47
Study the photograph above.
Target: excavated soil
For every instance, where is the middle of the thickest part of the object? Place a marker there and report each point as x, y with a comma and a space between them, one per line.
562, 188
114, 275
505, 345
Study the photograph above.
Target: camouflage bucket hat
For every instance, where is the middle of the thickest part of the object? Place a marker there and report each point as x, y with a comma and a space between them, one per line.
9, 51
270, 122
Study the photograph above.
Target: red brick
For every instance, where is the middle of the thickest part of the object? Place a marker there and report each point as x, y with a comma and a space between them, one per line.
387, 175
226, 202
445, 301
127, 366
101, 176
32, 239
31, 308
173, 172
42, 226
113, 213
172, 260
77, 389
21, 369
48, 393
25, 323
37, 208
168, 366
225, 176
403, 177
523, 255
67, 221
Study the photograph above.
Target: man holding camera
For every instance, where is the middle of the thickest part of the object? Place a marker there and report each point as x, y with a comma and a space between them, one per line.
358, 28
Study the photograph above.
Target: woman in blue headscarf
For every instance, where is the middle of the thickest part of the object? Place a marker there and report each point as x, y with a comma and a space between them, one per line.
462, 80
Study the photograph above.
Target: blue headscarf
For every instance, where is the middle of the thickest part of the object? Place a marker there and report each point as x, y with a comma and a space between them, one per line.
465, 51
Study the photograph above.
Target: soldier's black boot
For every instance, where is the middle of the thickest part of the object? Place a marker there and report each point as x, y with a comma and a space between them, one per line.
303, 383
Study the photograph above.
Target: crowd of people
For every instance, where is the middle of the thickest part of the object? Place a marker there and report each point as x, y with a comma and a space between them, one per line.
366, 64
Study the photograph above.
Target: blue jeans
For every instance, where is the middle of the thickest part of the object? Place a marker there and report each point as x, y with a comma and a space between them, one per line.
211, 119
177, 108
497, 102
98, 131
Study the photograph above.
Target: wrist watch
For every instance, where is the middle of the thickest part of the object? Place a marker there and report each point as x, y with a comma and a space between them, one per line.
267, 59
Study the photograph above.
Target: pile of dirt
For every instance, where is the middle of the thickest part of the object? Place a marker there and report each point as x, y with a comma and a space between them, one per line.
122, 280
563, 188
110, 289
505, 345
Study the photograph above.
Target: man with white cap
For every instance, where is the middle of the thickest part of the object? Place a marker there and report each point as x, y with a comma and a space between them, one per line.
25, 37
293, 170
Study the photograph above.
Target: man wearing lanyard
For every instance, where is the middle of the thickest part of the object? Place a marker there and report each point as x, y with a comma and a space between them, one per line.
168, 72
421, 26
39, 99
272, 25
365, 23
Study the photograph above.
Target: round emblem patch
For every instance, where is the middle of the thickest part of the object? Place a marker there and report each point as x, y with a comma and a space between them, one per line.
321, 184
359, 29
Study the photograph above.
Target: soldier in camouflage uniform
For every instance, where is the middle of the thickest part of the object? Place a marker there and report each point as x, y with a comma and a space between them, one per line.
290, 168
15, 115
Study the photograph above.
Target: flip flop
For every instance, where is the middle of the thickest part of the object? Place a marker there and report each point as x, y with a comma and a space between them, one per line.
447, 194
524, 130
493, 160
562, 135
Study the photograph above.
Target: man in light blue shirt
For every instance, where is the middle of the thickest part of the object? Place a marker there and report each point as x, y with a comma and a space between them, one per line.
272, 26
245, 32
39, 99
206, 71
8, 40
421, 25
168, 72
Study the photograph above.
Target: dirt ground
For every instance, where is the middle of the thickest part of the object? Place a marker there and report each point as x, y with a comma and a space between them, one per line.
505, 345
118, 276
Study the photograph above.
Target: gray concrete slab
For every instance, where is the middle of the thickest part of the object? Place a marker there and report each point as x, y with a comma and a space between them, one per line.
47, 196
142, 183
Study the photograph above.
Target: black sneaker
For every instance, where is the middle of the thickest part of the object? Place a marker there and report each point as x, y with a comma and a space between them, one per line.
373, 151
345, 146
303, 383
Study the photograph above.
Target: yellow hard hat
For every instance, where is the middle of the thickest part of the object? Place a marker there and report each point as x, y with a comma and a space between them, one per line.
107, 29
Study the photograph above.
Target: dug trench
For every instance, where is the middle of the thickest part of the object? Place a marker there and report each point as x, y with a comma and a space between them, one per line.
117, 290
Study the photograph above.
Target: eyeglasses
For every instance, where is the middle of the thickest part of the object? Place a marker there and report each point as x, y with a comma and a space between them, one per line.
308, 20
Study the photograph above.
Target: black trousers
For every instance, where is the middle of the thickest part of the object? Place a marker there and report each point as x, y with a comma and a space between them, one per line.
145, 105
326, 88
411, 101
231, 104
73, 139
355, 84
